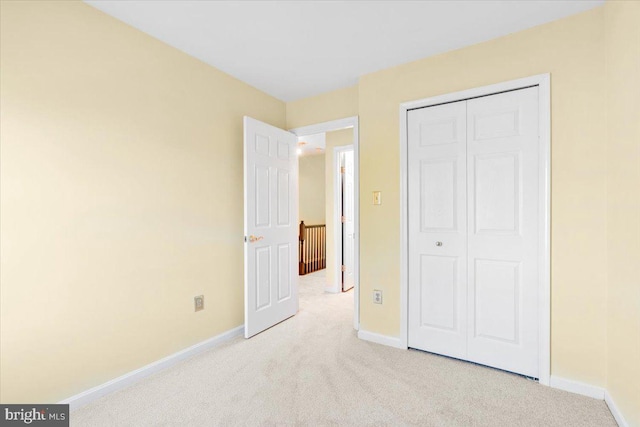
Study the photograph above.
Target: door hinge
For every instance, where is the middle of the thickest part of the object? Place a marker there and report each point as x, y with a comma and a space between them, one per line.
343, 219
343, 268
341, 169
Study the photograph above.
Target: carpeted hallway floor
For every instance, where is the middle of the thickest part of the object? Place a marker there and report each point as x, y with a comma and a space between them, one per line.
312, 370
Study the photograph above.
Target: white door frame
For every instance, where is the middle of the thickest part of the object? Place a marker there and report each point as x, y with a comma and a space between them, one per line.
544, 298
349, 122
337, 214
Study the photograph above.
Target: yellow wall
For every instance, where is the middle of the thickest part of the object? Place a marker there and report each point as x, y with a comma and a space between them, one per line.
334, 105
572, 50
595, 203
311, 189
121, 198
622, 21
113, 145
334, 139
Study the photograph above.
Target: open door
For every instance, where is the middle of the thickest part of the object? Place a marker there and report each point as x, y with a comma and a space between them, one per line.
348, 214
270, 226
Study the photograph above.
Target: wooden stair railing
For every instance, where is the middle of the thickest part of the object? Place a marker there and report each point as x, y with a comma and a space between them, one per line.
312, 248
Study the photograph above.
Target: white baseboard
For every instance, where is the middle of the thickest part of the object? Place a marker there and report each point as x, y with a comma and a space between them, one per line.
129, 378
614, 410
577, 387
381, 339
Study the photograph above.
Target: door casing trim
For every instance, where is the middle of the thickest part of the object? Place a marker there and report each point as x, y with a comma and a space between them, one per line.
543, 82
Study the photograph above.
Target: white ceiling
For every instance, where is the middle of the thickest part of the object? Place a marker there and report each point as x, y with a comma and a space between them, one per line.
296, 49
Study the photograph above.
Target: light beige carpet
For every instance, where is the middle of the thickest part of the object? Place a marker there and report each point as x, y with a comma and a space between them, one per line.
312, 370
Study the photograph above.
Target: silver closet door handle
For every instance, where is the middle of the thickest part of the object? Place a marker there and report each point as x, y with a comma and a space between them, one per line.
438, 243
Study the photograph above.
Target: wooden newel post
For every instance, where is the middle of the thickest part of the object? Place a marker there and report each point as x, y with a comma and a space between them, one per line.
301, 263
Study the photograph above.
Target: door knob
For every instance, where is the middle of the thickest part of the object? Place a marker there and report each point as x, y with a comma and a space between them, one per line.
253, 238
438, 243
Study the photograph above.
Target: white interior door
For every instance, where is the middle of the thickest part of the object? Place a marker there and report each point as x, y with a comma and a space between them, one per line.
474, 230
502, 177
438, 229
270, 226
348, 230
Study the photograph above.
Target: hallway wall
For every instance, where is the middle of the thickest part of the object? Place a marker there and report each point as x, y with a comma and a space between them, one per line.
311, 189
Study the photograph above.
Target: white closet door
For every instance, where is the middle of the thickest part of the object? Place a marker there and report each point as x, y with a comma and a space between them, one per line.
437, 229
473, 199
503, 190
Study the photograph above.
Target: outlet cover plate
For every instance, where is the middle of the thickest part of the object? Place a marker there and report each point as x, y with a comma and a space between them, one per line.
198, 302
377, 296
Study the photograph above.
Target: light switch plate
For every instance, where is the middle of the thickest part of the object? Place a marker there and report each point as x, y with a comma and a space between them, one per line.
377, 197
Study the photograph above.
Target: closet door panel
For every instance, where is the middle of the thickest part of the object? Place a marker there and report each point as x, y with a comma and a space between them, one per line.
502, 182
437, 229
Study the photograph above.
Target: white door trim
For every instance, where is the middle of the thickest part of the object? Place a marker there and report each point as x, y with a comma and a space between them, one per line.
544, 303
348, 122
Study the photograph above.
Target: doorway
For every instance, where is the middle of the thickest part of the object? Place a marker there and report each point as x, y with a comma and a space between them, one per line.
312, 207
345, 132
475, 280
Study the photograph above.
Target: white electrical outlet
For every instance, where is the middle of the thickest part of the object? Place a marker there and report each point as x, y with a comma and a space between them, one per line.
198, 302
377, 296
